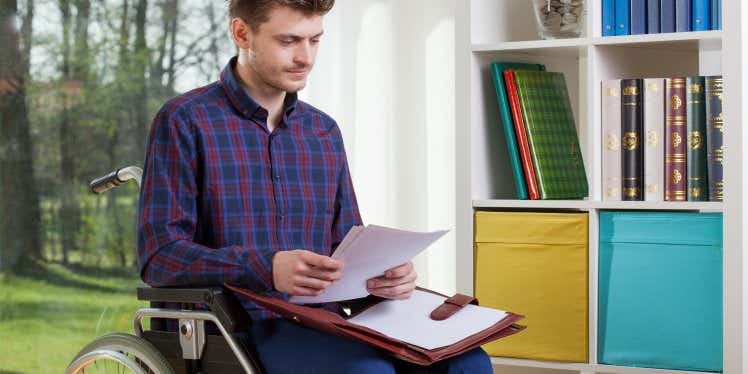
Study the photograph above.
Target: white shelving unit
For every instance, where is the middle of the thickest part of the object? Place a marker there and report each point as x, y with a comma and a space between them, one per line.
504, 30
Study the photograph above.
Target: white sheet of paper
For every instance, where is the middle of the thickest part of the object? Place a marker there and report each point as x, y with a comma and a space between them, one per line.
368, 252
409, 320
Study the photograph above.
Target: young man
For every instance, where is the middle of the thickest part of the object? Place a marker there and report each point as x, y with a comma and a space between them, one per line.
243, 183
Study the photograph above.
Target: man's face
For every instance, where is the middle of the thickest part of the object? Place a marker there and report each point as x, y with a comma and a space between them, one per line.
283, 49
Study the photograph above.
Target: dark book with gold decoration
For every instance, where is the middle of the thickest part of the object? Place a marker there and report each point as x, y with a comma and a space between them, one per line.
696, 130
632, 150
675, 139
715, 129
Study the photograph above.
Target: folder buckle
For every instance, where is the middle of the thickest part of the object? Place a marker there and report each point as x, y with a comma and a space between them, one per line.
451, 306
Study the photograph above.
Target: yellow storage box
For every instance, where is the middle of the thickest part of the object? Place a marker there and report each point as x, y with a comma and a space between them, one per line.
535, 264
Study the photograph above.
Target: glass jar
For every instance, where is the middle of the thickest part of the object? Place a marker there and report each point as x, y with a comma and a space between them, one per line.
559, 19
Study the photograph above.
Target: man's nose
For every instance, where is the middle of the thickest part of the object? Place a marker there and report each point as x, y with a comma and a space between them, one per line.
304, 53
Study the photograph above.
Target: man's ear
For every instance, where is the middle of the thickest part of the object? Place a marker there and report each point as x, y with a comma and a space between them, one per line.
241, 33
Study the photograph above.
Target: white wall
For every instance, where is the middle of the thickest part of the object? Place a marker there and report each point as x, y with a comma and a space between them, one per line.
385, 72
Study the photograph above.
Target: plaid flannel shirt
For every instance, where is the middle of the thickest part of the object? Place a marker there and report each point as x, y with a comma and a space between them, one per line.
221, 194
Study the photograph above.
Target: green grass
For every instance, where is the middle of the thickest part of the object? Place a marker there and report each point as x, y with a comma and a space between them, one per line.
46, 319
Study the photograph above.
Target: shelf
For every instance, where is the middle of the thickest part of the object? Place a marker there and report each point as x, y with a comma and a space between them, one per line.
637, 370
706, 206
582, 367
563, 46
539, 364
588, 205
696, 40
535, 204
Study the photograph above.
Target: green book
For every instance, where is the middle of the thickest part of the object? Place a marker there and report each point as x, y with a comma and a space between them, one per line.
497, 70
696, 130
552, 134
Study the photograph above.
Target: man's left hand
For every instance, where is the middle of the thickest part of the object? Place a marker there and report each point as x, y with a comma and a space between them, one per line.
396, 283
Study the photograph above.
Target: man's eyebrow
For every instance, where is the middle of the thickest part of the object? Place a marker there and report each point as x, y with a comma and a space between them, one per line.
294, 36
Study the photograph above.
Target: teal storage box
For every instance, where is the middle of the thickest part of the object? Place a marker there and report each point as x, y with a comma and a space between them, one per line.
660, 290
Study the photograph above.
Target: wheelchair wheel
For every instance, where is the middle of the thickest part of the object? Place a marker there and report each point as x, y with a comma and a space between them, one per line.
119, 353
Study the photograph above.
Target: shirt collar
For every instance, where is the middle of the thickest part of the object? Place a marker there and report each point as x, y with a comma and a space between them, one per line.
244, 103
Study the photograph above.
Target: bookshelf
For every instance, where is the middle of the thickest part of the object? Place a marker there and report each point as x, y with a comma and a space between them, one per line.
504, 30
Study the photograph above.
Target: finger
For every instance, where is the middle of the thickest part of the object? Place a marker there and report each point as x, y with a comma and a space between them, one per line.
403, 296
318, 273
391, 292
320, 261
313, 283
399, 271
303, 291
399, 292
379, 282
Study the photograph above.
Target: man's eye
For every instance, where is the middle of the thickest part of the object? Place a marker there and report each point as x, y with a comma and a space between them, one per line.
286, 42
315, 41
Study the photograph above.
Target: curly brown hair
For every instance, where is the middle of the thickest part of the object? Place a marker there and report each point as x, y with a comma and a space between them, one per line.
256, 12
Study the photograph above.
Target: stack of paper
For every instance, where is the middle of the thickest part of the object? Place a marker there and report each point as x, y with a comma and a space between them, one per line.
409, 320
368, 252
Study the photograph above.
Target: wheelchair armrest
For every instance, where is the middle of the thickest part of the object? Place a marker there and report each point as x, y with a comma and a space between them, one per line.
220, 301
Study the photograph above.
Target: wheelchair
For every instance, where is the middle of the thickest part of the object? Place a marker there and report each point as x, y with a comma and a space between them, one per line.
190, 349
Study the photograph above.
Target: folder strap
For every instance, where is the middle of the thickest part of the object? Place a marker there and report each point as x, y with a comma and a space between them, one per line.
451, 306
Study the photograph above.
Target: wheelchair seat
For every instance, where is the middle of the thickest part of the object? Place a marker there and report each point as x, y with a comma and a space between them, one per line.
190, 347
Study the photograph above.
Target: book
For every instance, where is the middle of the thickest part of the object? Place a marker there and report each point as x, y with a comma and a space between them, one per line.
682, 15
696, 141
715, 131
638, 18
701, 17
653, 16
623, 17
519, 126
675, 139
667, 16
632, 150
611, 133
552, 135
609, 18
497, 71
654, 151
716, 14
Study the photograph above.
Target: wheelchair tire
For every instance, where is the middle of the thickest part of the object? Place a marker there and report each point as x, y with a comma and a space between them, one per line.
132, 352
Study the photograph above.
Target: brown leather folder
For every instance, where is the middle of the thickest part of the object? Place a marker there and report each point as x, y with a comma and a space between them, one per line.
324, 320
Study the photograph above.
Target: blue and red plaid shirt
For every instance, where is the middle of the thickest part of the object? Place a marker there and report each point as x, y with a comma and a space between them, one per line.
221, 194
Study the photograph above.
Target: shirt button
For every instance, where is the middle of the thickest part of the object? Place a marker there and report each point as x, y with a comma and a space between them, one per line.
277, 176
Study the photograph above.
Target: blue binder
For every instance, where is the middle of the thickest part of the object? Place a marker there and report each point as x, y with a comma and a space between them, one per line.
638, 17
653, 16
701, 19
623, 14
682, 15
716, 14
667, 16
660, 290
609, 18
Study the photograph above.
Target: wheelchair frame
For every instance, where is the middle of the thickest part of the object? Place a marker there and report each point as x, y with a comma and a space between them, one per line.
213, 353
189, 349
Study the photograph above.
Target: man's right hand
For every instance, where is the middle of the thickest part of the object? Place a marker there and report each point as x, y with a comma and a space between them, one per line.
304, 273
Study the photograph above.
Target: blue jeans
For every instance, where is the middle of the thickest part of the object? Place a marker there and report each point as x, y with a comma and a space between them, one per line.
286, 347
